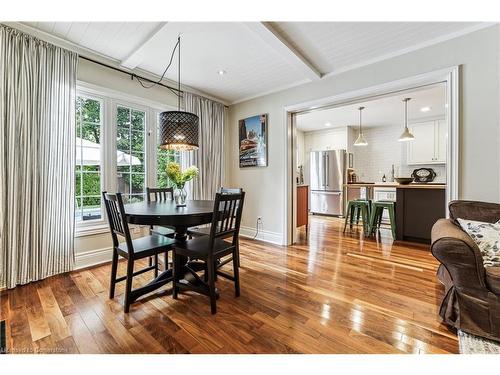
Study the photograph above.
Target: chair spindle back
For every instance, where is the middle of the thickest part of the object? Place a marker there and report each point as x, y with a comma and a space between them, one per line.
160, 194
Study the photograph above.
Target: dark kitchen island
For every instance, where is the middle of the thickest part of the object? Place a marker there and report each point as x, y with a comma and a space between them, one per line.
418, 207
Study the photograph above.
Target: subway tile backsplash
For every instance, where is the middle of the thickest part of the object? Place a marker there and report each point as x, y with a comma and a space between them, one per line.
371, 162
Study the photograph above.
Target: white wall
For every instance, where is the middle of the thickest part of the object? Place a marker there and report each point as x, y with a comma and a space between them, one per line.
371, 162
477, 53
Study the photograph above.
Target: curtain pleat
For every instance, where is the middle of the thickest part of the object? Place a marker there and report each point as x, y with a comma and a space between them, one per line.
37, 157
209, 158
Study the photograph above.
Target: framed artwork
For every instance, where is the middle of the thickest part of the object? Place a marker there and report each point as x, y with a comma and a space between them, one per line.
253, 141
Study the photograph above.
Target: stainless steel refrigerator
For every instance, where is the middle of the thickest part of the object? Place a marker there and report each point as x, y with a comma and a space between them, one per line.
328, 171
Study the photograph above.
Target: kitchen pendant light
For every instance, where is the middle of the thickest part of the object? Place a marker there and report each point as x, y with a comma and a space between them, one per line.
179, 129
361, 141
406, 136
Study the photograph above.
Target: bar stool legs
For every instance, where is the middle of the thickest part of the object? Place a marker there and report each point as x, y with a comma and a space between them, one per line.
376, 216
355, 209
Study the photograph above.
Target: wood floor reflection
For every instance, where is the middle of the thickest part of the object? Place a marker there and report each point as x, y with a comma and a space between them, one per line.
330, 293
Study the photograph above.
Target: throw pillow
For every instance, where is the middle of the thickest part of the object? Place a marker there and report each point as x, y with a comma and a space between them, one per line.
487, 238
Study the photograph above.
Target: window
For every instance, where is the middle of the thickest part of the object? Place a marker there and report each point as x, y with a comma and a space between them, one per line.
131, 152
88, 159
116, 151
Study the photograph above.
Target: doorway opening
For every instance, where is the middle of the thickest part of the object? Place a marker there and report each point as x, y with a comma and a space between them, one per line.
323, 159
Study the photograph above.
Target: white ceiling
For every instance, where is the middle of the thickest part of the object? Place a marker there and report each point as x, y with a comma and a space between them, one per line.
337, 46
386, 111
259, 58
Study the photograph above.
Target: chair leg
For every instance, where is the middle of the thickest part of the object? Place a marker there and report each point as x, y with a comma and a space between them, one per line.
128, 283
114, 266
156, 266
237, 251
348, 211
364, 217
393, 222
373, 220
236, 274
175, 271
211, 285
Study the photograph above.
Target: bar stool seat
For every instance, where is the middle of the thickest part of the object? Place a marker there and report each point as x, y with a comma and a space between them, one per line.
355, 209
377, 211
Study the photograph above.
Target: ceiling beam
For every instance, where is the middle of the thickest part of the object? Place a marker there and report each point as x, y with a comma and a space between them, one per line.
138, 54
273, 39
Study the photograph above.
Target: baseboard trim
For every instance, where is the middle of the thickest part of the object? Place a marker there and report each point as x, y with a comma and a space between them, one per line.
263, 235
99, 256
92, 258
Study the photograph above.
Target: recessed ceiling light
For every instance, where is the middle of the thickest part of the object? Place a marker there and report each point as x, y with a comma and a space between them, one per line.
221, 72
425, 109
328, 124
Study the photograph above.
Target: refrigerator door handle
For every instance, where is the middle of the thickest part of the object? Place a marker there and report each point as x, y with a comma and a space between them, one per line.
327, 192
327, 170
324, 170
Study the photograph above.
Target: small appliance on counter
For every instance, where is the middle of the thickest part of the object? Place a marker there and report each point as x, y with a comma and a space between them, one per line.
351, 176
423, 175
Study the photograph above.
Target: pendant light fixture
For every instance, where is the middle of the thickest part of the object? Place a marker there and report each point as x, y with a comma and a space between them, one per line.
361, 141
179, 129
406, 136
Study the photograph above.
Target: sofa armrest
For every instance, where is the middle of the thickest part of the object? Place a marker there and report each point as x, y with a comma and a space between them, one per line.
473, 210
459, 254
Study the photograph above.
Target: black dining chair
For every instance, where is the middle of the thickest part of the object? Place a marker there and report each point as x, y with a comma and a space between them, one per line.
132, 250
205, 231
225, 225
160, 195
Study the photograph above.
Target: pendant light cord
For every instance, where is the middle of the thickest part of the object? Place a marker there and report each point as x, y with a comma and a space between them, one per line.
177, 45
360, 110
179, 72
406, 113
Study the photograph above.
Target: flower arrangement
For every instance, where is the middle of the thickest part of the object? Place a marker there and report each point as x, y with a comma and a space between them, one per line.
179, 177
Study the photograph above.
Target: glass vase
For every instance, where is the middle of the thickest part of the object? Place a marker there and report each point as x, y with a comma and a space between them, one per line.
180, 196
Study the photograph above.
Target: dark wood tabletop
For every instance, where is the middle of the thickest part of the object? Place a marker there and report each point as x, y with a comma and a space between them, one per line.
196, 212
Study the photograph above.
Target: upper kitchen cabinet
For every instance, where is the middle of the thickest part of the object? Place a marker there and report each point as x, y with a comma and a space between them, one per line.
429, 145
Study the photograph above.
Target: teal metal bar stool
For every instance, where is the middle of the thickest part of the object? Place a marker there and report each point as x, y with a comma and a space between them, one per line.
377, 211
355, 209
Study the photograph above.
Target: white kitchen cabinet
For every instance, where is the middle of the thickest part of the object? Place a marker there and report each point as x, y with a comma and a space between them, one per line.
429, 145
442, 138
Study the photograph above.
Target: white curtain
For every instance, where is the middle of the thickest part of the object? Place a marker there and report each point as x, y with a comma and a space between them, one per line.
37, 155
209, 158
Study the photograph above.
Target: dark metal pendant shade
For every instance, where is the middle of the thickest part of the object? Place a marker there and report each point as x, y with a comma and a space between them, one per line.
179, 131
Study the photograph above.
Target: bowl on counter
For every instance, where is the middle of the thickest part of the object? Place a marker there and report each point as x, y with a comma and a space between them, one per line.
404, 180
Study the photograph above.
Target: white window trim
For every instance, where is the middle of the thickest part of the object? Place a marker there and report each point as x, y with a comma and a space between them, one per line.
110, 99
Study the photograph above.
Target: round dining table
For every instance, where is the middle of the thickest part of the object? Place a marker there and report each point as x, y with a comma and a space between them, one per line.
166, 213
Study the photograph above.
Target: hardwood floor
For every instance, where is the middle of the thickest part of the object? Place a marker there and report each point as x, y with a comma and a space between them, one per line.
331, 293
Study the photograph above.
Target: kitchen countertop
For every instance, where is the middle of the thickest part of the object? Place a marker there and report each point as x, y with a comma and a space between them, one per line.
398, 186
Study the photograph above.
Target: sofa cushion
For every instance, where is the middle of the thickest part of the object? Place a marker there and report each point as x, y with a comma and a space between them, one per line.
473, 210
487, 238
493, 279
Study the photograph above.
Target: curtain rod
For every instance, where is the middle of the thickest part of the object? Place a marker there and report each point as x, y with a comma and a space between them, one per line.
132, 75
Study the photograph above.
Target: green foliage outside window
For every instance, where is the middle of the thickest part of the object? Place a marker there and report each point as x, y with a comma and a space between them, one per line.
88, 177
